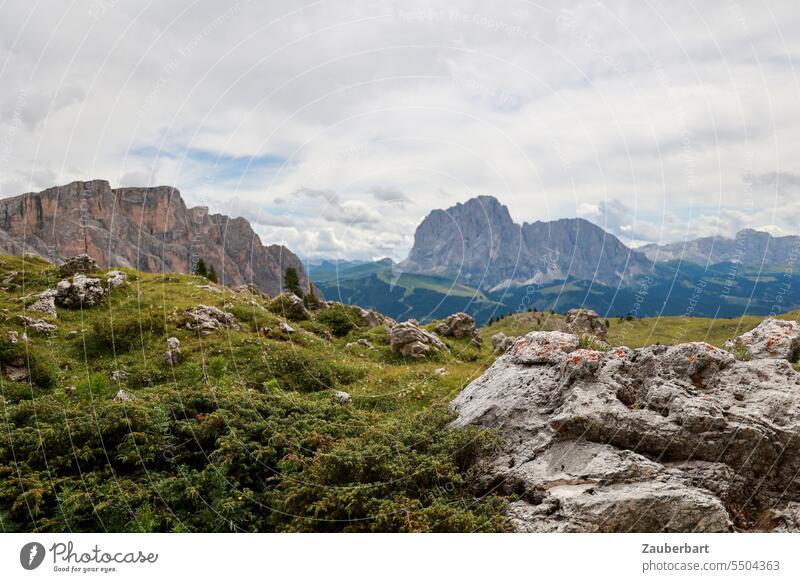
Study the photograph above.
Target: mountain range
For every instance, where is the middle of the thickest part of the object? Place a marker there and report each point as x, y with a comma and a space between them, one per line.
471, 257
150, 229
499, 266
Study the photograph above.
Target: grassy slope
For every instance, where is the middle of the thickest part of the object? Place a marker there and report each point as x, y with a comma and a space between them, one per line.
640, 332
242, 435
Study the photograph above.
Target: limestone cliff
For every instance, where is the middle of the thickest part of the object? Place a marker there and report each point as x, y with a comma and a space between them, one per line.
150, 229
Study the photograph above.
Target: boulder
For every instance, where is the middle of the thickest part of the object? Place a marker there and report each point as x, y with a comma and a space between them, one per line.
116, 279
342, 397
45, 303
15, 373
501, 343
586, 322
207, 318
372, 318
78, 264
37, 325
79, 292
290, 306
123, 396
409, 340
459, 325
173, 356
658, 439
285, 327
772, 338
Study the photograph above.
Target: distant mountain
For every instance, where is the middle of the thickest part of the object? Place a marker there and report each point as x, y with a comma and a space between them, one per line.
478, 243
751, 248
150, 229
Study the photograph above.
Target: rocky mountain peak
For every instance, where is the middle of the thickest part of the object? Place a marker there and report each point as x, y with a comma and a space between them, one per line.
151, 229
479, 242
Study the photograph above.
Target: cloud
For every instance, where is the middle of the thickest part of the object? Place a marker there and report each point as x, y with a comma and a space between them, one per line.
354, 120
389, 194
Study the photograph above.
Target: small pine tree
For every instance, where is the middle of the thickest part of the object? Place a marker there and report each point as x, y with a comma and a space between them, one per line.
201, 268
212, 273
292, 282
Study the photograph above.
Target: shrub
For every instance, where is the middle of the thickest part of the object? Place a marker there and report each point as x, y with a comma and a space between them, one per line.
340, 319
123, 333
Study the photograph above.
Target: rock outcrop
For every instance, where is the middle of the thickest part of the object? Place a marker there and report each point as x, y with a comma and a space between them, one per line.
586, 322
460, 326
772, 338
501, 342
45, 303
82, 263
659, 439
410, 340
207, 318
290, 306
372, 318
79, 292
150, 229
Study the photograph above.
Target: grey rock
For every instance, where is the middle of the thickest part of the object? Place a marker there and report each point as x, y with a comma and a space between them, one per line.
411, 341
501, 343
45, 303
116, 279
119, 376
79, 292
372, 318
207, 318
684, 438
37, 325
459, 325
123, 396
586, 322
15, 373
82, 263
285, 327
290, 306
342, 397
772, 338
173, 356
361, 342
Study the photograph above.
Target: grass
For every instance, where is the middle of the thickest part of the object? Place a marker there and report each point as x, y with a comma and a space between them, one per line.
243, 434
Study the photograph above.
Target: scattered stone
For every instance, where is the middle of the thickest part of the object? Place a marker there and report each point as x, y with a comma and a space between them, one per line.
440, 371
266, 331
9, 277
123, 396
342, 397
372, 318
78, 264
119, 376
459, 325
13, 337
116, 279
173, 355
16, 373
411, 341
37, 325
772, 338
290, 306
207, 318
362, 342
79, 292
582, 322
285, 327
501, 343
45, 303
657, 439
211, 288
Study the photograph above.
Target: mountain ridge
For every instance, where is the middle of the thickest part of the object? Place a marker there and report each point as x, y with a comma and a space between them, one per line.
151, 229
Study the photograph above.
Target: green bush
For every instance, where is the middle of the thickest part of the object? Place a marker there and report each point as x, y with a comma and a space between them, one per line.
340, 319
121, 333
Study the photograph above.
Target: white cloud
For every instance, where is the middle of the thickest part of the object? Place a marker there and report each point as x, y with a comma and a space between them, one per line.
355, 118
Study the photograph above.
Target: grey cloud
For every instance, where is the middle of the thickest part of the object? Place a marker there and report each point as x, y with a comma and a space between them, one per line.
389, 194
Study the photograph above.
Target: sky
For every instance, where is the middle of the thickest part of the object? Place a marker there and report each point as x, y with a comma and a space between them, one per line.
336, 126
